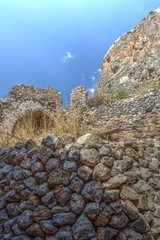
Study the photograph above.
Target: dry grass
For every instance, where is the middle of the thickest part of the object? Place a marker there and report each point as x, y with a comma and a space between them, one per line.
37, 125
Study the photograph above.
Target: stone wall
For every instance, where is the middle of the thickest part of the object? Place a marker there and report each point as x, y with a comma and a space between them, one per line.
27, 98
134, 58
89, 190
79, 99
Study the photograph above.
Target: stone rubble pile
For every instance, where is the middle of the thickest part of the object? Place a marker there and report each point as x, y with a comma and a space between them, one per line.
93, 190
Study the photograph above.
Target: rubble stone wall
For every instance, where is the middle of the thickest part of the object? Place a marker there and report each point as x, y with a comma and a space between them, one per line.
90, 190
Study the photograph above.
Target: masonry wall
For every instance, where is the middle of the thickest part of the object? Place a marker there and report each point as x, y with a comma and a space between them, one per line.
89, 190
23, 99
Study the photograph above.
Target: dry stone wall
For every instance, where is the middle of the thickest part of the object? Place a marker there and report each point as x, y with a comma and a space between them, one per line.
92, 189
134, 58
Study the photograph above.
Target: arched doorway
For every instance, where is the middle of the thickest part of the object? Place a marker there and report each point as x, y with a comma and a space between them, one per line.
32, 125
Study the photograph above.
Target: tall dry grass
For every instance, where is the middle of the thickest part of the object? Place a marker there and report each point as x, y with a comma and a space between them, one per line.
37, 125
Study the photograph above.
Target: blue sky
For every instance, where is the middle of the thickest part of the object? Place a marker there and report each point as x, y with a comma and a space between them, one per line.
61, 43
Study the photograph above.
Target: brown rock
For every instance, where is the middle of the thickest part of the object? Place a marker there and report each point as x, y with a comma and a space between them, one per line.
101, 173
63, 194
41, 213
131, 210
128, 193
118, 221
106, 233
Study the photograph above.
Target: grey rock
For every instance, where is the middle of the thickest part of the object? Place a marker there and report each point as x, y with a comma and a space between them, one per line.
6, 169
70, 166
103, 216
18, 173
12, 196
76, 185
84, 173
47, 227
16, 229
58, 176
63, 233
21, 237
61, 219
110, 196
107, 161
118, 221
74, 155
48, 198
41, 190
37, 167
104, 151
93, 191
41, 177
30, 183
2, 202
89, 157
77, 203
25, 220
51, 164
35, 231
91, 210
140, 225
83, 229
106, 233
116, 206
128, 233
115, 182
52, 142
93, 142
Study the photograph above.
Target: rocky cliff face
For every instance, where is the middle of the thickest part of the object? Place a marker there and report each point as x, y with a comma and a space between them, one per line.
134, 58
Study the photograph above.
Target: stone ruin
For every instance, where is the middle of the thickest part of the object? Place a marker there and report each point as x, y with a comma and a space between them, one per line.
79, 99
91, 190
24, 99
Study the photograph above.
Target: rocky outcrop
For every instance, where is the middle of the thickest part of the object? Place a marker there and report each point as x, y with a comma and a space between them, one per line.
94, 190
134, 58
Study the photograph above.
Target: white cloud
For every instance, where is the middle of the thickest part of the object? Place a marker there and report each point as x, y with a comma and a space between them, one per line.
98, 71
67, 57
93, 78
90, 91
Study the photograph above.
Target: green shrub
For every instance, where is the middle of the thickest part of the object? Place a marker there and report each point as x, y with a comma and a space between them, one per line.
106, 97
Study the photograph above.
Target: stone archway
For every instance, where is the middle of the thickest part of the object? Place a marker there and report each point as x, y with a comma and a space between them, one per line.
32, 125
